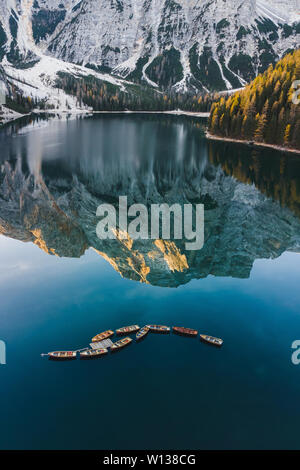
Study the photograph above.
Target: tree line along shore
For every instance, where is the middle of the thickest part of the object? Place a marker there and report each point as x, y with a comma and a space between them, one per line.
266, 111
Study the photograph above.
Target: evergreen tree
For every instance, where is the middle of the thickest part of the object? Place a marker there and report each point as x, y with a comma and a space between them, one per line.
265, 110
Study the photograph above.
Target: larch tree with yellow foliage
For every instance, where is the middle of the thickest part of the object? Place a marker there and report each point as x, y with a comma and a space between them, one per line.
265, 110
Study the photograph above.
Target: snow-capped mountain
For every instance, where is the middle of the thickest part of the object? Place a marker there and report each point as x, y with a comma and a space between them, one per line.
201, 44
30, 68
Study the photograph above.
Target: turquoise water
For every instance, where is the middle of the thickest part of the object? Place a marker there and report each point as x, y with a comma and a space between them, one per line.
167, 391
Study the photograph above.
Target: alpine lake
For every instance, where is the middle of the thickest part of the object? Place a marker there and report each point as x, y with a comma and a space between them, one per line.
60, 285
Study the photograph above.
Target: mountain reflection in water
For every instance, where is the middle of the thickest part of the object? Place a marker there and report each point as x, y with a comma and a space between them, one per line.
53, 179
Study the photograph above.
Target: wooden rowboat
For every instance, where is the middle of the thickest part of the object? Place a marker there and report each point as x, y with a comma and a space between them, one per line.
120, 344
159, 328
62, 355
93, 353
142, 333
211, 340
127, 330
102, 336
184, 331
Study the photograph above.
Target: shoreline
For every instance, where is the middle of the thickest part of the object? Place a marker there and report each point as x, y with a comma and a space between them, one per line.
10, 116
89, 112
208, 135
254, 144
174, 113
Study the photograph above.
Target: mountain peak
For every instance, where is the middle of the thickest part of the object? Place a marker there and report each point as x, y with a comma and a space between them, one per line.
195, 44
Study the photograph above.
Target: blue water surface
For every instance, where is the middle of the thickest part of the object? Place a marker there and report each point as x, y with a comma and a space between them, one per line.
166, 392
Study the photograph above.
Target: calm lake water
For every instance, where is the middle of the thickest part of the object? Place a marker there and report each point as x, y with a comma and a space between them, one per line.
60, 285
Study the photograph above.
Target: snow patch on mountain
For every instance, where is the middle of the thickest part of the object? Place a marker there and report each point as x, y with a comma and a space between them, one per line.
39, 81
279, 11
179, 44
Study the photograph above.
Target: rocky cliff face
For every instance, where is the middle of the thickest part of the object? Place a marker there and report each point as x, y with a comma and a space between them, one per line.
195, 44
54, 206
29, 213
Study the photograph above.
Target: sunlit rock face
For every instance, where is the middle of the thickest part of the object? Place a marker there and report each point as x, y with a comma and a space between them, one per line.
28, 212
51, 183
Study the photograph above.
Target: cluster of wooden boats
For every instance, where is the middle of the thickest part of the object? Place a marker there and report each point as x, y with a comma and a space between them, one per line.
121, 343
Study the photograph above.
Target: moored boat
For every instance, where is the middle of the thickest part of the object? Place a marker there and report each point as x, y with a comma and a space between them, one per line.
184, 331
159, 328
211, 340
120, 344
102, 336
127, 330
93, 353
62, 355
142, 333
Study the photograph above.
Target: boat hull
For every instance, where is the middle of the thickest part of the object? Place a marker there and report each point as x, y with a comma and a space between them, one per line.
127, 330
217, 342
93, 355
143, 333
102, 336
185, 331
54, 357
159, 329
118, 345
